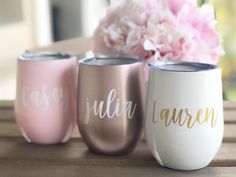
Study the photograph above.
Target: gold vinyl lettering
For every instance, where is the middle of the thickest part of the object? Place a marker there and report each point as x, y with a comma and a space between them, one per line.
190, 121
165, 115
181, 122
210, 113
199, 116
185, 117
153, 113
173, 118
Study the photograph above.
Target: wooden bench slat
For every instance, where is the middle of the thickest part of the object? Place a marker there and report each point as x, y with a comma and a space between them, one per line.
7, 111
7, 114
76, 153
230, 132
19, 158
10, 103
9, 129
230, 116
229, 105
6, 104
101, 171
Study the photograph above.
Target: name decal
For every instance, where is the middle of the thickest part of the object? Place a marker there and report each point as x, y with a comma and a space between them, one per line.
45, 97
102, 109
184, 117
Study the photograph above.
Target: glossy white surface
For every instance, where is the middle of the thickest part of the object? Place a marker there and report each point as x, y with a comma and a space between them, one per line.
184, 143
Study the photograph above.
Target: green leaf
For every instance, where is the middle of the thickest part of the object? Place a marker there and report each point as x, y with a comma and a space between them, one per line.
201, 2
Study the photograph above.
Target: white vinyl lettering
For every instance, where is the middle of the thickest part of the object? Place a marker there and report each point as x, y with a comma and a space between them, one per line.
103, 109
44, 97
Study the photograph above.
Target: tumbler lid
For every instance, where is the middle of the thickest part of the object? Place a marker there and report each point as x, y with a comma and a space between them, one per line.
110, 61
31, 56
176, 66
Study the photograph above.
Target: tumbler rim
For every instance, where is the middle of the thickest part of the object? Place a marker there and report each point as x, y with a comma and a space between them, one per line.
44, 56
110, 61
165, 66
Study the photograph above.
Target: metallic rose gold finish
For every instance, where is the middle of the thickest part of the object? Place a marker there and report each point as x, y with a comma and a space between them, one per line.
111, 104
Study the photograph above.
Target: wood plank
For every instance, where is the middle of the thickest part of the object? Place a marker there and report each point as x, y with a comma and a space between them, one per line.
6, 104
7, 114
77, 153
18, 158
10, 103
72, 153
101, 171
7, 111
9, 129
75, 46
226, 155
230, 116
230, 132
228, 105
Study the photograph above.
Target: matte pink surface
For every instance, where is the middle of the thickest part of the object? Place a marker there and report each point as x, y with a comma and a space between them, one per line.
46, 99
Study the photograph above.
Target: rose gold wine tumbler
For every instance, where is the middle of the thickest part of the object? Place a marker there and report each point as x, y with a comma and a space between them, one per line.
110, 104
45, 104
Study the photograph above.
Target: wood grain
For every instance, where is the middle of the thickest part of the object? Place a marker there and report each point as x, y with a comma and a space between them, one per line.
229, 105
103, 171
19, 158
9, 129
6, 104
76, 153
230, 116
7, 111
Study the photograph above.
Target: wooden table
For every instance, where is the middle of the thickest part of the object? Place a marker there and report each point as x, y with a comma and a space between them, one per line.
18, 158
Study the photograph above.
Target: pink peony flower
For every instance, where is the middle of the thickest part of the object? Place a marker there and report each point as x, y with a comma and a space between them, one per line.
159, 29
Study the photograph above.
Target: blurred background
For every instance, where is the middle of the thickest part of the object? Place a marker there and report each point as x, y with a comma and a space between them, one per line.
26, 24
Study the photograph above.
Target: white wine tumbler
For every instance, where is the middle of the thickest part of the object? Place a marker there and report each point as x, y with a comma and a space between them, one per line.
184, 114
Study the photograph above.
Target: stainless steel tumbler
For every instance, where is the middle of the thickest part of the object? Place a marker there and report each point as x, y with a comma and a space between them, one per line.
111, 104
184, 121
45, 105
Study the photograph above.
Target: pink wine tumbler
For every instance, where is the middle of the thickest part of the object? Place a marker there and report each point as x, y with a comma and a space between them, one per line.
45, 104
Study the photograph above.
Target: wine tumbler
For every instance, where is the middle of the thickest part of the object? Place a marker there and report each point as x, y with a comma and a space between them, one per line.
45, 105
110, 104
184, 114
